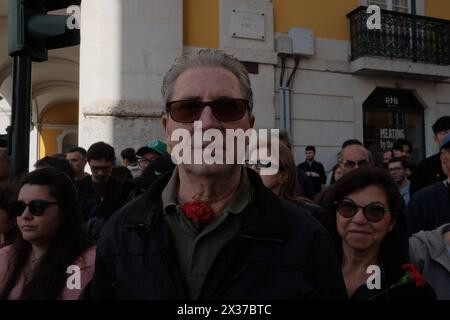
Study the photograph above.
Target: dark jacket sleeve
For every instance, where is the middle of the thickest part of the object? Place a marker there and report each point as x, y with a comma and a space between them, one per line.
414, 214
101, 285
306, 185
324, 270
428, 172
418, 178
323, 176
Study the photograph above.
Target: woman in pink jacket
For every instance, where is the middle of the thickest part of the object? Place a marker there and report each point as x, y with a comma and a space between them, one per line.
53, 258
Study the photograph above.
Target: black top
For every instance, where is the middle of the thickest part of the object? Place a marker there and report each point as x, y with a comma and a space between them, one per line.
100, 200
429, 208
428, 172
318, 168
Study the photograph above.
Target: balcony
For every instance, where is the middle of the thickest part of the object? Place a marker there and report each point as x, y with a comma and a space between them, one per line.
415, 46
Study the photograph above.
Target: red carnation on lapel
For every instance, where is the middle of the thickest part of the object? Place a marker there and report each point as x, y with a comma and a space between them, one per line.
413, 274
198, 211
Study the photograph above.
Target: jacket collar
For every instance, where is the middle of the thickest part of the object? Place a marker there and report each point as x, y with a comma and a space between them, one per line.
265, 216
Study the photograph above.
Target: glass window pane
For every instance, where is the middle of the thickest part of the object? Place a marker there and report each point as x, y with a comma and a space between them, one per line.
381, 3
400, 5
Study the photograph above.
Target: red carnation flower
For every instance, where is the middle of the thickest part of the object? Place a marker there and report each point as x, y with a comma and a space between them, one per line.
413, 274
198, 211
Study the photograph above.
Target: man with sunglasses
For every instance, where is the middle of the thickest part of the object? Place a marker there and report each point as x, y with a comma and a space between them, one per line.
212, 231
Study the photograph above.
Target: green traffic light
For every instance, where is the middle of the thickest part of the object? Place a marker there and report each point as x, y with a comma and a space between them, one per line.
31, 30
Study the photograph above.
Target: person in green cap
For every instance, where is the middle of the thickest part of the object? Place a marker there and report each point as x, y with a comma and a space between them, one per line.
147, 154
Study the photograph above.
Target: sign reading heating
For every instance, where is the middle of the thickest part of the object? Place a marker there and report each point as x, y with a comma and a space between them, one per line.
389, 135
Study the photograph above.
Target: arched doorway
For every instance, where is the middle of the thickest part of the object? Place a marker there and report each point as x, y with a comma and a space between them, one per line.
58, 129
390, 114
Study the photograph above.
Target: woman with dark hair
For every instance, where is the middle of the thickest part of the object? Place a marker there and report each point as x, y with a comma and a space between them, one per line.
366, 220
39, 265
8, 225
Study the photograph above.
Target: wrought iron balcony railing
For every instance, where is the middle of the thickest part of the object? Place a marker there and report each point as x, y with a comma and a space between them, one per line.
402, 36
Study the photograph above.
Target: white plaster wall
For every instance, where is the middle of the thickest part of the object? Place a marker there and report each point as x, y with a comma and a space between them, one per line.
322, 109
5, 116
126, 47
327, 99
34, 149
263, 95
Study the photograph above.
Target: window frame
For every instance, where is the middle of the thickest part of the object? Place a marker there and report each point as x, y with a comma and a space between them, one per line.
390, 5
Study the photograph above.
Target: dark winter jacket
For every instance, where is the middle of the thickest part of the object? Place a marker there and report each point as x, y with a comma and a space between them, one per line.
428, 209
280, 252
428, 172
104, 208
316, 167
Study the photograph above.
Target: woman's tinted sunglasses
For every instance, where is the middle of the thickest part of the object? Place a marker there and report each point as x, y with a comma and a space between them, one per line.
36, 207
373, 212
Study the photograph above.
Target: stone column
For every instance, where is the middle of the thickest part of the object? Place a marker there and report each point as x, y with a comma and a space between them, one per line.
126, 47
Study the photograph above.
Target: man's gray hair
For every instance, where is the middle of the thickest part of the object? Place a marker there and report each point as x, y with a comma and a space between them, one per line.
207, 58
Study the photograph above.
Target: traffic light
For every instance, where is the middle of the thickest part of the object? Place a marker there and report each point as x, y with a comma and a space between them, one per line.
33, 31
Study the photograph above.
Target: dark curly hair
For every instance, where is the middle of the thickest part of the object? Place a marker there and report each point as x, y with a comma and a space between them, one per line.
49, 276
393, 250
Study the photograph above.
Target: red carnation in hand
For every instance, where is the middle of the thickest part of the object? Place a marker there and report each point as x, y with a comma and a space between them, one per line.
413, 274
198, 211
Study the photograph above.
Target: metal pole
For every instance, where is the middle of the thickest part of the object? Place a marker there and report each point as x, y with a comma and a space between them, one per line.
21, 115
414, 30
282, 108
287, 113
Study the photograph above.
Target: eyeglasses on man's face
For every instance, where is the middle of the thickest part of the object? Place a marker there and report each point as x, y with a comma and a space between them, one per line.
224, 109
144, 160
373, 212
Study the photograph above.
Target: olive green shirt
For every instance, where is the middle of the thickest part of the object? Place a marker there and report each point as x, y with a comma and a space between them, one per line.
197, 245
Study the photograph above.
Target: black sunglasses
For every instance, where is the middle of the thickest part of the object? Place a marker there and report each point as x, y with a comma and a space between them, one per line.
36, 207
373, 212
225, 109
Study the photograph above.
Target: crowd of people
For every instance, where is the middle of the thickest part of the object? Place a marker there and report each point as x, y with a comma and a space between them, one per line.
150, 229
